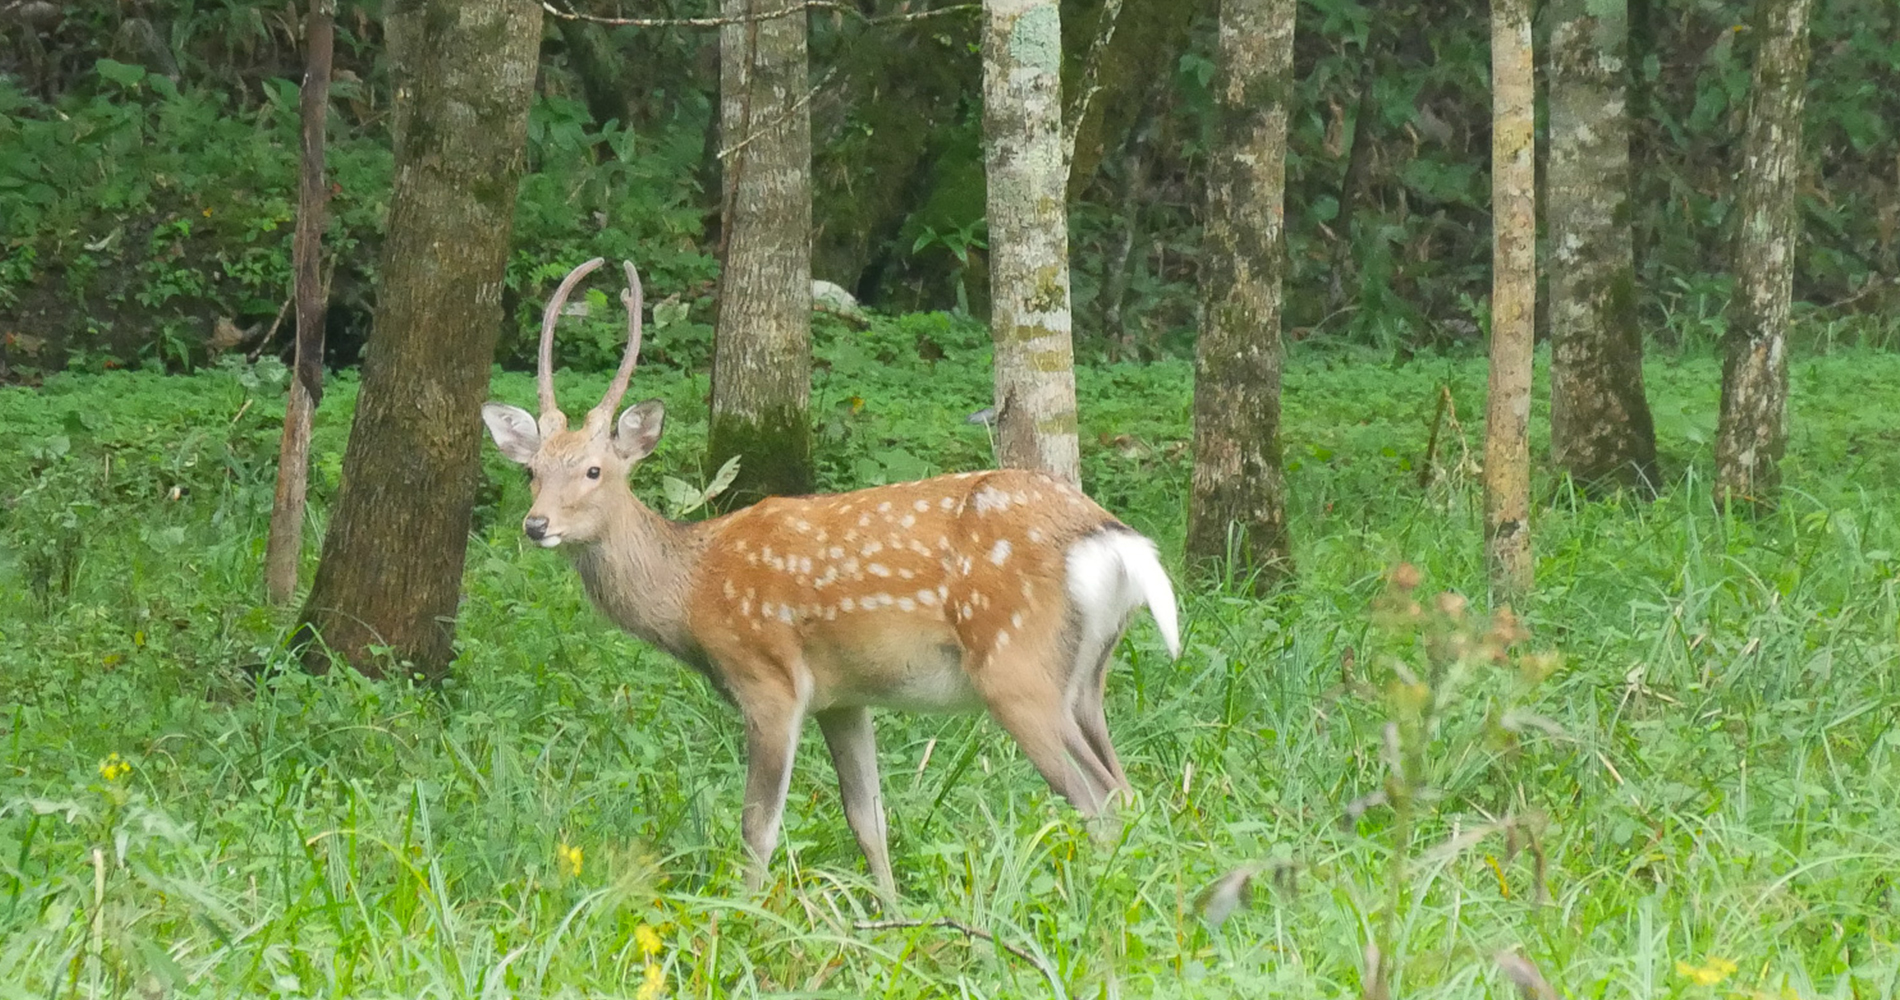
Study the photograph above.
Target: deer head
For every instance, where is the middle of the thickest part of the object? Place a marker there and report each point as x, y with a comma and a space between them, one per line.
578, 476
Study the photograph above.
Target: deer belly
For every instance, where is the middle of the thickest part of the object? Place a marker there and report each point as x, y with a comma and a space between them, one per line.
921, 671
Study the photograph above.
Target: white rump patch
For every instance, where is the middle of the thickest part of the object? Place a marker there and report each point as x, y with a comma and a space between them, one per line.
1112, 572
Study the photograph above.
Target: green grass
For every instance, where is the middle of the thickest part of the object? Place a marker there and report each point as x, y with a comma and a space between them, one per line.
1720, 779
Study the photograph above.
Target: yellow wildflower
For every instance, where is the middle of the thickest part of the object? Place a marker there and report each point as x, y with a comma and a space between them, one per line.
568, 859
114, 767
654, 984
648, 939
1708, 974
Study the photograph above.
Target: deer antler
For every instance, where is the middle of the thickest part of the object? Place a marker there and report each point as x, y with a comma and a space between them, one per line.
634, 298
552, 419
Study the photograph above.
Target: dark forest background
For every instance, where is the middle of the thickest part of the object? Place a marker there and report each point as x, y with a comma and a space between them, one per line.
148, 170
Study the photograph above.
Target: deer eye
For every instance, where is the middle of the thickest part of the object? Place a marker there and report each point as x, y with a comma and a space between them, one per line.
593, 472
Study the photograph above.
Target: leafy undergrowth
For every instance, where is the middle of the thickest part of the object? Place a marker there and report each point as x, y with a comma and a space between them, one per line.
1697, 798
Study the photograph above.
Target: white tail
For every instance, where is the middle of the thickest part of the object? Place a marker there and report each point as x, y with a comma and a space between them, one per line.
1003, 590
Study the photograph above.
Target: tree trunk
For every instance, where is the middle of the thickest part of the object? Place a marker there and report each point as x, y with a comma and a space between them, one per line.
1753, 431
284, 551
1029, 238
391, 571
1507, 460
1239, 502
762, 347
1600, 428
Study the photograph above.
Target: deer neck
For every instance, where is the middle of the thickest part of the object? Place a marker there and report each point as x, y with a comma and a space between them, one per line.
638, 574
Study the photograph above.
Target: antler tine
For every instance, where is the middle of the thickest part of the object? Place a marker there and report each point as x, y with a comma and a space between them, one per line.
551, 416
634, 298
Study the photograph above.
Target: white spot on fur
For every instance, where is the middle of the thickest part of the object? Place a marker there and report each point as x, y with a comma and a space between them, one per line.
1016, 619
909, 521
926, 597
988, 499
947, 503
873, 547
906, 604
1002, 639
835, 552
999, 553
847, 605
921, 505
878, 569
1035, 534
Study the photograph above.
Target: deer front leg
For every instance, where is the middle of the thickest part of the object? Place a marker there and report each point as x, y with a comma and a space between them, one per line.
771, 738
853, 747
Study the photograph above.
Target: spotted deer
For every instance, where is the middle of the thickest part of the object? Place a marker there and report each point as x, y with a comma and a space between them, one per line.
1004, 590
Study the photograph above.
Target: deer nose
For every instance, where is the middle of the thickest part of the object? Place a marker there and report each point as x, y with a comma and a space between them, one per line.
536, 527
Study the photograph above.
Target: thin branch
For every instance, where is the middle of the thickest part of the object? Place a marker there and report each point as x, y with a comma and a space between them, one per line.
1041, 964
780, 120
786, 11
1091, 68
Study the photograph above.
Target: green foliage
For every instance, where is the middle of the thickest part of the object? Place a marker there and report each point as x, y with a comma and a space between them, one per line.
138, 213
1716, 781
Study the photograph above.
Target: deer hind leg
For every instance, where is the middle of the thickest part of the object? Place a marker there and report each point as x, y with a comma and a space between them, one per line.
853, 746
1089, 692
1029, 701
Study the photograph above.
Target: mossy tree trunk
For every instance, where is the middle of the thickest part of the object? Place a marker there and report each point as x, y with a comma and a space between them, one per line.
391, 572
283, 551
1029, 237
1752, 433
1507, 460
1239, 487
1601, 432
762, 344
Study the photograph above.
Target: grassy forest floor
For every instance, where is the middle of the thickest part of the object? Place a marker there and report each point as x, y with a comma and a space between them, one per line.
1701, 800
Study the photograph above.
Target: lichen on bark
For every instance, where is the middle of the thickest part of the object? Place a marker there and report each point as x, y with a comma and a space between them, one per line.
762, 341
1752, 431
1238, 507
1602, 434
1030, 318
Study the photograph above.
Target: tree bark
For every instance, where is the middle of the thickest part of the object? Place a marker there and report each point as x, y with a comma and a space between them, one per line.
1601, 432
1752, 433
762, 345
284, 549
1239, 502
1029, 238
1507, 491
391, 571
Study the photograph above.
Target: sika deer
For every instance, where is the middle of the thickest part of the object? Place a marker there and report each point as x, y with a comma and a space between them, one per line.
1006, 590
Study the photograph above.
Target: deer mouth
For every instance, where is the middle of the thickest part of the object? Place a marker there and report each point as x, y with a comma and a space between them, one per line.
548, 541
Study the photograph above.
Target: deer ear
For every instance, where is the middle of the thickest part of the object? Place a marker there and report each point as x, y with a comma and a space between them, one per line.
514, 431
638, 429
